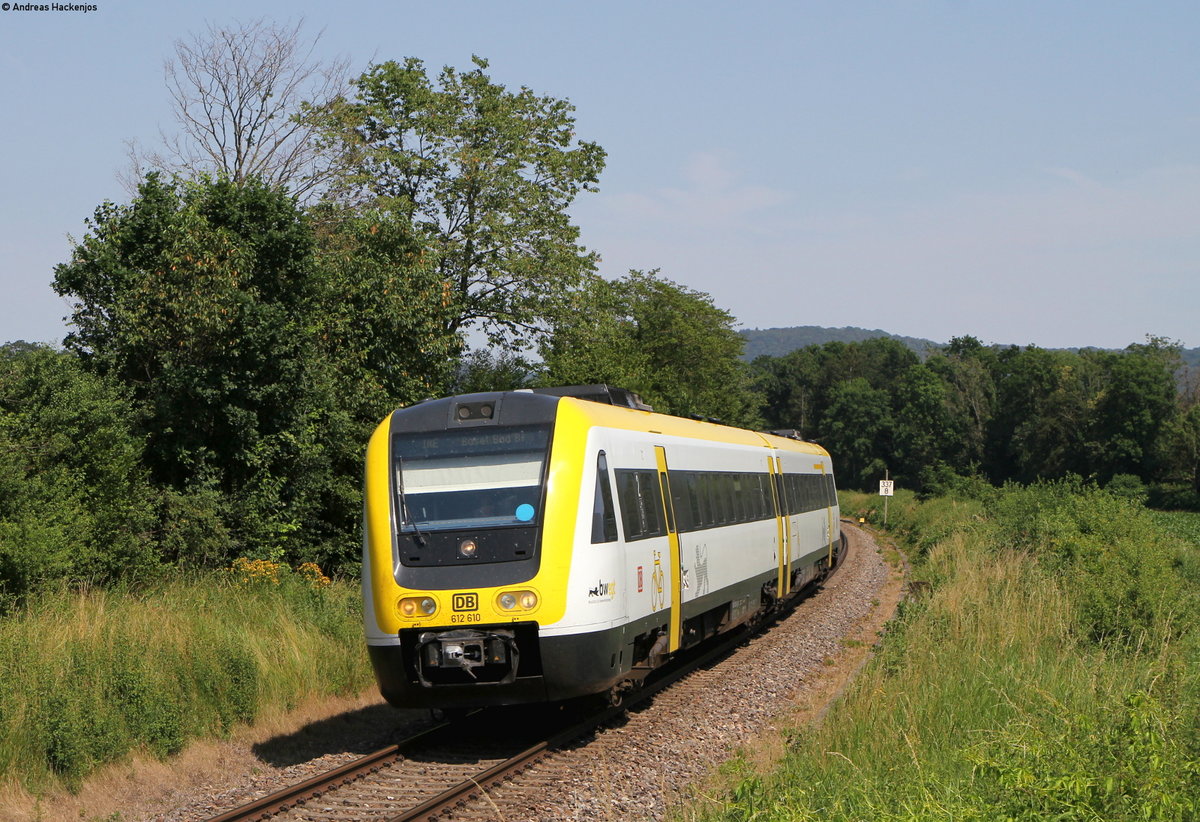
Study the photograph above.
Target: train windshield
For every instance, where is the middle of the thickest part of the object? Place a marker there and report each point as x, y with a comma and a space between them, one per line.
472, 478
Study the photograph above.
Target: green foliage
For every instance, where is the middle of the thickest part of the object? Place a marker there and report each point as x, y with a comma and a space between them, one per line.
1127, 587
195, 298
1005, 414
845, 396
663, 340
486, 174
1129, 487
497, 370
1183, 524
1057, 765
856, 427
1179, 452
1134, 403
922, 427
74, 500
87, 677
257, 360
1003, 693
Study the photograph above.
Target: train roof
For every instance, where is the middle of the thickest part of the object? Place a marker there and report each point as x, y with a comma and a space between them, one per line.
596, 404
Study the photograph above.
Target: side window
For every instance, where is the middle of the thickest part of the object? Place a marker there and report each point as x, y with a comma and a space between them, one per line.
604, 515
765, 509
684, 518
641, 503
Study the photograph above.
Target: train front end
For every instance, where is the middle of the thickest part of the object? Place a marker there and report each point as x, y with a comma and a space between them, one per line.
457, 576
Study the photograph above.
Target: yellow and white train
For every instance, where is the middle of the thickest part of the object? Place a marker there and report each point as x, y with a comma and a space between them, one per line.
540, 545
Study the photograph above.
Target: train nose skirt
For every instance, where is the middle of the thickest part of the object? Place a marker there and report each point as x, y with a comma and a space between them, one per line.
466, 655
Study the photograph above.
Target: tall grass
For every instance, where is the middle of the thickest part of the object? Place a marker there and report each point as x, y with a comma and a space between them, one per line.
1048, 673
1183, 524
86, 677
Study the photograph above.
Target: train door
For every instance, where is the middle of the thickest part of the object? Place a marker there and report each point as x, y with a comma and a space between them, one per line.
794, 520
675, 630
782, 543
830, 499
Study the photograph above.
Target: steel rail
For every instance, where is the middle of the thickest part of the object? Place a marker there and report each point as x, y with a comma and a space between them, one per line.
301, 792
472, 787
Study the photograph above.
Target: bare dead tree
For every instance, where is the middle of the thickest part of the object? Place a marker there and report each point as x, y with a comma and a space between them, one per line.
244, 97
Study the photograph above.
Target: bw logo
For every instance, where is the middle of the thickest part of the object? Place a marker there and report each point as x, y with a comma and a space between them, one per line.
465, 602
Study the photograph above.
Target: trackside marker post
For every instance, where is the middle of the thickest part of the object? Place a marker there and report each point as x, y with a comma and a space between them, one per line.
886, 489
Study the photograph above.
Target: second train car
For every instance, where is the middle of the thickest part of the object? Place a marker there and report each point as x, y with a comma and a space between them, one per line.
541, 545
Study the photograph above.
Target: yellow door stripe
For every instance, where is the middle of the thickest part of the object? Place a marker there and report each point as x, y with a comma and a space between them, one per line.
774, 468
676, 621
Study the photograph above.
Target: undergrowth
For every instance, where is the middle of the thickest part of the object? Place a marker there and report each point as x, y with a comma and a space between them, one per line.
1048, 673
88, 676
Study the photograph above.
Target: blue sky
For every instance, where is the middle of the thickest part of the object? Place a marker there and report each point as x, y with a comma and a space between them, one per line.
1026, 172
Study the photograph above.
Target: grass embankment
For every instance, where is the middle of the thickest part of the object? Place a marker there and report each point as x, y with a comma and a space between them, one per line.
1048, 671
85, 678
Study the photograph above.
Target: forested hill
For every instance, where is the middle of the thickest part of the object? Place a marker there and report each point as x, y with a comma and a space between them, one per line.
776, 342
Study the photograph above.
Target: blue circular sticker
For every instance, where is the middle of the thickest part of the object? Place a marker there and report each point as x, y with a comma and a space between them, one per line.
524, 512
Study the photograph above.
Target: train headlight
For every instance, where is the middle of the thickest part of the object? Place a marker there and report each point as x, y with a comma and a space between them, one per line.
517, 601
417, 606
467, 548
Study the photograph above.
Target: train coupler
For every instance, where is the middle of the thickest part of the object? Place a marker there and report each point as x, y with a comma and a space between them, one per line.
467, 655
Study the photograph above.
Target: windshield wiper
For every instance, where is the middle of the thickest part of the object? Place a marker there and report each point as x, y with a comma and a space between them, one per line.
418, 537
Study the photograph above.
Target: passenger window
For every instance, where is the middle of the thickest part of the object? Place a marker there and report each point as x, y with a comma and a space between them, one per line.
604, 515
641, 503
683, 501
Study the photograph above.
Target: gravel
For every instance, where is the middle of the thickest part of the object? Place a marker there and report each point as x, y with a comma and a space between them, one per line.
643, 767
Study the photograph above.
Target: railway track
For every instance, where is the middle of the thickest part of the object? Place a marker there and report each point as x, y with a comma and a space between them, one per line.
460, 769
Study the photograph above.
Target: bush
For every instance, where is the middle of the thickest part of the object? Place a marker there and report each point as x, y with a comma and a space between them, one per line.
1049, 673
88, 676
74, 499
1124, 573
1062, 766
1174, 498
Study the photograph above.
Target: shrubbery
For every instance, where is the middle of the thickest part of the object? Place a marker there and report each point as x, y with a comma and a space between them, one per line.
85, 678
74, 500
1049, 673
1129, 580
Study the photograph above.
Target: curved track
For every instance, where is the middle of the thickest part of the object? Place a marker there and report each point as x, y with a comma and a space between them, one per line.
461, 768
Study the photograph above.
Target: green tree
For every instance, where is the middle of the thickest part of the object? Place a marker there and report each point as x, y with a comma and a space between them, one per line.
856, 430
923, 430
256, 360
665, 341
74, 499
485, 173
1040, 426
965, 368
1132, 407
799, 386
1180, 448
791, 388
493, 370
